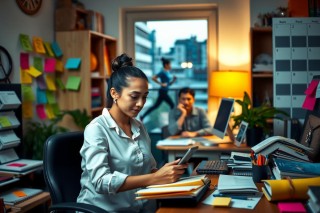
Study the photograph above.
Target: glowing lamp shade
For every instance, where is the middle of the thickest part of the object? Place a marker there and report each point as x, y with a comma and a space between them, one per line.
229, 83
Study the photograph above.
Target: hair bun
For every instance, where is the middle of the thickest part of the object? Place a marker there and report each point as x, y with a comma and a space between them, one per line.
122, 60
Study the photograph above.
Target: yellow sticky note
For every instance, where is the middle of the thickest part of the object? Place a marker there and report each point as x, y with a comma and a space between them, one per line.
27, 109
38, 45
34, 72
50, 83
49, 111
222, 201
59, 65
25, 77
47, 45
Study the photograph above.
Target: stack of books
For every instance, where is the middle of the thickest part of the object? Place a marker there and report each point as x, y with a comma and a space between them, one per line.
240, 164
282, 148
282, 168
313, 204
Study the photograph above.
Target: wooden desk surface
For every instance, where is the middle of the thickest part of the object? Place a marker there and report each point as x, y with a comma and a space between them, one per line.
226, 147
263, 206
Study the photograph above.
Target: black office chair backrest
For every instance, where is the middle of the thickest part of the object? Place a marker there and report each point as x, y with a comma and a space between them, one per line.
62, 166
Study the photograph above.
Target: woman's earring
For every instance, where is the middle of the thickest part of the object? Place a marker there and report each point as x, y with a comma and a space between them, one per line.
115, 100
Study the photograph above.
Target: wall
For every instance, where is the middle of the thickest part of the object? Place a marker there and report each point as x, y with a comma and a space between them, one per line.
13, 22
233, 25
233, 19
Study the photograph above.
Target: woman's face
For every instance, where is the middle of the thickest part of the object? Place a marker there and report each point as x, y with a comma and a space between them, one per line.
133, 97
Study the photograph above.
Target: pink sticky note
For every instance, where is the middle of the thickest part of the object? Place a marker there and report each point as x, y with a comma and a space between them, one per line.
41, 111
309, 102
24, 61
17, 164
311, 90
50, 65
286, 207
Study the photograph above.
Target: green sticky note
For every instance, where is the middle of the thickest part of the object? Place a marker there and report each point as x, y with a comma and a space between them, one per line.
25, 42
73, 83
4, 121
37, 63
55, 109
27, 93
50, 97
60, 84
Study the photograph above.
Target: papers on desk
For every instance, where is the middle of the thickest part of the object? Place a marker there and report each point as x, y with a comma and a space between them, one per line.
176, 142
242, 190
250, 203
236, 184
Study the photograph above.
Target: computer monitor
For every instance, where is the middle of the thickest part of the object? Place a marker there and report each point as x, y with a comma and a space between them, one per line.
221, 125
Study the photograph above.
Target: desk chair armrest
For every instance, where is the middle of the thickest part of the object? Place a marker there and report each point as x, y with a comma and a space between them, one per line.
82, 207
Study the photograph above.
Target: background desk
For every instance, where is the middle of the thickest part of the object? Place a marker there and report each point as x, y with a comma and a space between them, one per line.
264, 206
210, 152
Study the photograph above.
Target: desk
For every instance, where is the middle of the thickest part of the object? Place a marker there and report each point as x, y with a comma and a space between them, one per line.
210, 152
263, 206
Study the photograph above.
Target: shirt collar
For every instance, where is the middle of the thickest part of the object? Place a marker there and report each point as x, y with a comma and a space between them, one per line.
135, 125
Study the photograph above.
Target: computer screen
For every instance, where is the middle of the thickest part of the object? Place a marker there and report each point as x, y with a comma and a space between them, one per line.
223, 116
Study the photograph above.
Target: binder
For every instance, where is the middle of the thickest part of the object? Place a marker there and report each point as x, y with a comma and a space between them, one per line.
18, 195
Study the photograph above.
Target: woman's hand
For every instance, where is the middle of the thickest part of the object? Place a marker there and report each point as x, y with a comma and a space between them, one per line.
169, 173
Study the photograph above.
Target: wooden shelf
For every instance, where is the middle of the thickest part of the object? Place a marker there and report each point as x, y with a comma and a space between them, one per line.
262, 81
80, 44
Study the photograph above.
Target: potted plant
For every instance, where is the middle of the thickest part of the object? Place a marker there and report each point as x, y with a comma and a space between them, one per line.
257, 119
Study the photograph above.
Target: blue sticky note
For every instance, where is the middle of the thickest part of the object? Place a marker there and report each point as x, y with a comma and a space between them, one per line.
56, 49
73, 63
41, 96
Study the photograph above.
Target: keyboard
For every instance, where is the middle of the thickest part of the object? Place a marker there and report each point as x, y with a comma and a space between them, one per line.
213, 167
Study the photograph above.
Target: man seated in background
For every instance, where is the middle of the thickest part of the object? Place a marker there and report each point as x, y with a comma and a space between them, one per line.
187, 120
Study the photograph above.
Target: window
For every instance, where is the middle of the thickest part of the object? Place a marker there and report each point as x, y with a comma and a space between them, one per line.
142, 46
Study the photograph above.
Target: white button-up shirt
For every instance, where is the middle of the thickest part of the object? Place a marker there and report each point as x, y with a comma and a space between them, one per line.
108, 157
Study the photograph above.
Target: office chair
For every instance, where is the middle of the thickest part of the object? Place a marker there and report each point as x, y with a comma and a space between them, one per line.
62, 172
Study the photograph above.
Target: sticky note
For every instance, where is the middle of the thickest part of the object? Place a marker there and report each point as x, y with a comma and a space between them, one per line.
286, 207
17, 164
27, 109
222, 201
73, 83
41, 82
25, 77
34, 72
47, 46
37, 63
38, 45
56, 49
24, 61
50, 83
41, 96
50, 65
27, 93
19, 193
41, 111
25, 42
73, 63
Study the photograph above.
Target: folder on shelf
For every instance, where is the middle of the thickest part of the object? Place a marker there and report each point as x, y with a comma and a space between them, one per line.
8, 120
8, 139
10, 162
9, 100
18, 195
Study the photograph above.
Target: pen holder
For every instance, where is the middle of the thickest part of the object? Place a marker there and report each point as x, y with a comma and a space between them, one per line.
259, 173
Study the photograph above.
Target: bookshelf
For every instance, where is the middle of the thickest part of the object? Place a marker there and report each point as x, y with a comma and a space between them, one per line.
91, 95
262, 75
